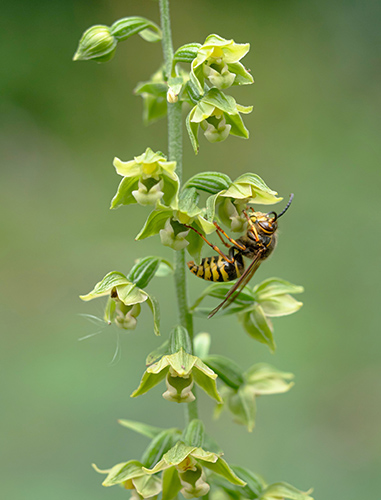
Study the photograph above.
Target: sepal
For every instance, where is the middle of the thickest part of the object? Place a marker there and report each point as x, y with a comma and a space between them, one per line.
194, 432
179, 339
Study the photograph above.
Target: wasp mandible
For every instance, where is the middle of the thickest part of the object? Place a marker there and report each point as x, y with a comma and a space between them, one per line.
256, 245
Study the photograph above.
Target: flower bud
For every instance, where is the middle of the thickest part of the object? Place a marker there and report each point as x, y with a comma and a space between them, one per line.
97, 43
171, 96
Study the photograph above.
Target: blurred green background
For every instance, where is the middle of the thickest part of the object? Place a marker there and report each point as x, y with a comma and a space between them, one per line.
313, 132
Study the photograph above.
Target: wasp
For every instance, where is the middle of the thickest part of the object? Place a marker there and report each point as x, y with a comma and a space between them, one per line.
256, 245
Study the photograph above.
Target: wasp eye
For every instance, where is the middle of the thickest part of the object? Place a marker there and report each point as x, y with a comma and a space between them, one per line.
267, 226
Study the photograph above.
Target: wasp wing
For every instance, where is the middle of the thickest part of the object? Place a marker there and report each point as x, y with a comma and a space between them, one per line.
241, 283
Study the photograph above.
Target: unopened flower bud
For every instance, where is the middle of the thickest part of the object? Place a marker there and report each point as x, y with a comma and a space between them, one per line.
172, 97
97, 43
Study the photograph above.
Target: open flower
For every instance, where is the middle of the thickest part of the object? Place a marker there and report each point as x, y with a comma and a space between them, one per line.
218, 115
185, 466
132, 476
180, 370
147, 179
124, 299
218, 61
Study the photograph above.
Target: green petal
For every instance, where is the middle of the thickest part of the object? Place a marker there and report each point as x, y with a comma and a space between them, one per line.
157, 353
147, 486
265, 379
124, 194
237, 126
282, 491
257, 326
171, 484
206, 379
281, 305
243, 407
181, 362
192, 129
178, 453
201, 344
275, 286
154, 306
222, 468
215, 98
243, 77
104, 287
130, 294
127, 168
122, 472
150, 379
252, 186
159, 445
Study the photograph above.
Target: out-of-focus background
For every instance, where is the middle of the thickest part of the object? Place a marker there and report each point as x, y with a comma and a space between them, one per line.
313, 132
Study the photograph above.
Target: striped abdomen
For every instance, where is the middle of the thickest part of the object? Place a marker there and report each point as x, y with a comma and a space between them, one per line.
216, 268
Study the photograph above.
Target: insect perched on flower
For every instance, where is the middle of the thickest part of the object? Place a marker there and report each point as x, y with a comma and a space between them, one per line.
256, 245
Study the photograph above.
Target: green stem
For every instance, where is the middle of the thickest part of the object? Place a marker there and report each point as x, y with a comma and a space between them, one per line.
175, 147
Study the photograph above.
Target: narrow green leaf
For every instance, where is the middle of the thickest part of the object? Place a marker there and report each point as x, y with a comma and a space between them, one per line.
179, 339
159, 445
122, 472
254, 483
228, 371
210, 182
156, 221
128, 26
146, 430
186, 53
193, 434
144, 270
156, 89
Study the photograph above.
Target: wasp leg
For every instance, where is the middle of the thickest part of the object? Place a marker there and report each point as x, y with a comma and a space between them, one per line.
252, 227
215, 248
223, 241
235, 243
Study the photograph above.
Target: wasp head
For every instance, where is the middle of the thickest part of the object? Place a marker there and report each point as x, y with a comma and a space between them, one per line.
267, 223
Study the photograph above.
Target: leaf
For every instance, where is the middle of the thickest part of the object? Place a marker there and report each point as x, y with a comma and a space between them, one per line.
228, 371
186, 53
157, 353
146, 430
179, 339
128, 26
144, 270
257, 326
193, 434
154, 306
156, 221
254, 483
159, 445
156, 89
210, 182
104, 286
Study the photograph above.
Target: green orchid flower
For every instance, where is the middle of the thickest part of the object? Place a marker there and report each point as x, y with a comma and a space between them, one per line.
218, 61
219, 116
124, 299
147, 179
181, 370
134, 477
184, 467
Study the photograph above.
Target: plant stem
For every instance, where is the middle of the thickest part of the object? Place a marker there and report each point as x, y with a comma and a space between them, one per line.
175, 147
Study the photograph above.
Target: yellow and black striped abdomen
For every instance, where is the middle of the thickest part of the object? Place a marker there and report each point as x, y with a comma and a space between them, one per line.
216, 268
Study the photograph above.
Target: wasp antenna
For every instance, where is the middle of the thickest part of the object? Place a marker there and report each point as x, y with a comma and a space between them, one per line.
287, 206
